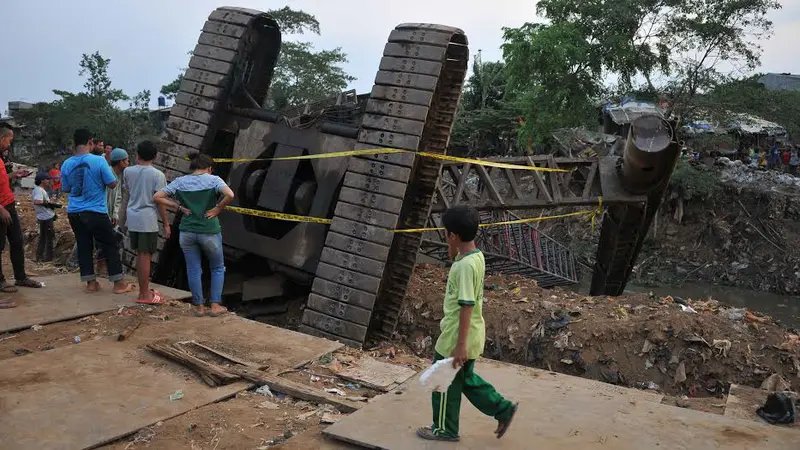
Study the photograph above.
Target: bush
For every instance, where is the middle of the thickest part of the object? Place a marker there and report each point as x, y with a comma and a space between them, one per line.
694, 181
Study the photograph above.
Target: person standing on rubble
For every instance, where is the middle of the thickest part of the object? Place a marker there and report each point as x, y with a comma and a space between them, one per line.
45, 216
464, 334
84, 177
10, 227
793, 161
200, 231
119, 162
140, 218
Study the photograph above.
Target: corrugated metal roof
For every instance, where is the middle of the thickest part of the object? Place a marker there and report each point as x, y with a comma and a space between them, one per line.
781, 81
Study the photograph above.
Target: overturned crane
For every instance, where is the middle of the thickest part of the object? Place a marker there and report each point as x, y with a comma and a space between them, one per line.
354, 270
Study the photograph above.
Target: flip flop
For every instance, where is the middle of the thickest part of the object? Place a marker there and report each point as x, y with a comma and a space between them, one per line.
158, 299
7, 304
217, 314
8, 288
29, 283
503, 427
130, 288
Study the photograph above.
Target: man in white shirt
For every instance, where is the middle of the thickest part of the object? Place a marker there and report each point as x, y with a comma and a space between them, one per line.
45, 216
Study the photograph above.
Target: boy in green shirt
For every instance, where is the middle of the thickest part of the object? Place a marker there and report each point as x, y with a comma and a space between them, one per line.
464, 333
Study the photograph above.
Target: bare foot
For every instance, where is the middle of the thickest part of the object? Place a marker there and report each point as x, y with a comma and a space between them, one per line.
92, 286
122, 287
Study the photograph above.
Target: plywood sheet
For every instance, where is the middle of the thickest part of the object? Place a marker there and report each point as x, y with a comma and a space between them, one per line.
269, 347
376, 374
743, 401
64, 298
88, 394
98, 391
556, 413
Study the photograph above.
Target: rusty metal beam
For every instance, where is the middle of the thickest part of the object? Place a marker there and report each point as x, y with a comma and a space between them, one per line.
489, 190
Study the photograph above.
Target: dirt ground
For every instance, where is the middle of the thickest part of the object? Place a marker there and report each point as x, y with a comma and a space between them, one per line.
629, 340
638, 341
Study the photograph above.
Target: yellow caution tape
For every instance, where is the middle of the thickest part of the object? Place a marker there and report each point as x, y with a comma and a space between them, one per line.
481, 162
368, 151
383, 151
593, 213
277, 215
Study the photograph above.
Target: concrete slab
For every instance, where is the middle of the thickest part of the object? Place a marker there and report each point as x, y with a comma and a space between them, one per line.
95, 392
743, 401
64, 298
556, 412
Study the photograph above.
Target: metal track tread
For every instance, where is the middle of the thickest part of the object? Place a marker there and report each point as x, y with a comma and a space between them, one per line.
412, 106
229, 36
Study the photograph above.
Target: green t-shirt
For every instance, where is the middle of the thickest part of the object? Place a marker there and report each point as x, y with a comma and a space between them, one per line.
464, 288
199, 194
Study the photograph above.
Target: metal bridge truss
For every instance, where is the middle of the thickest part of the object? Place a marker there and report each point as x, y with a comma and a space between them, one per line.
495, 192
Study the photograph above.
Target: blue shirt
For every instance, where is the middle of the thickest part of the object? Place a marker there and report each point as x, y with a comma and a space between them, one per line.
85, 178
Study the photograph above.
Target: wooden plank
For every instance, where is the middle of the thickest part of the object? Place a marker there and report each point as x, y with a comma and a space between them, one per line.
64, 298
107, 392
296, 390
590, 179
581, 414
376, 374
110, 389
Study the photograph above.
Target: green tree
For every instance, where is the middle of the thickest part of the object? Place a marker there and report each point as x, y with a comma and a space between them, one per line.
554, 77
302, 74
677, 47
485, 124
96, 108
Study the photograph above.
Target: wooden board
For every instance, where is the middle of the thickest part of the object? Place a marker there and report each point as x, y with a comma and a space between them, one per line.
556, 412
95, 392
376, 374
64, 298
249, 341
743, 401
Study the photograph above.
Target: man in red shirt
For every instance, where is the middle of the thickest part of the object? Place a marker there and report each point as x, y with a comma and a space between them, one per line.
9, 224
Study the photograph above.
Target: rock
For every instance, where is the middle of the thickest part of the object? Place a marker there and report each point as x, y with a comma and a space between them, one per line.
680, 373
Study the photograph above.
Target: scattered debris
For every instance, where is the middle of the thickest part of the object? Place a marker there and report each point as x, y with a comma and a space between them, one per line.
36, 327
76, 339
264, 390
268, 405
336, 391
775, 383
125, 334
780, 408
177, 395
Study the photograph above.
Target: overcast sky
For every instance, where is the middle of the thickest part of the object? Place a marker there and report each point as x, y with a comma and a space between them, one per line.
148, 40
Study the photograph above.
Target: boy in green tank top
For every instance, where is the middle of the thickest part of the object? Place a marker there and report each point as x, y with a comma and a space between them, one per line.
463, 333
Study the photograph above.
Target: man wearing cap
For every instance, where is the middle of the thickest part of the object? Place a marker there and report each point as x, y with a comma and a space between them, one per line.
118, 158
45, 216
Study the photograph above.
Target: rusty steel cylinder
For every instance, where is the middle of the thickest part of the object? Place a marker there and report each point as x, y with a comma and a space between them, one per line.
649, 152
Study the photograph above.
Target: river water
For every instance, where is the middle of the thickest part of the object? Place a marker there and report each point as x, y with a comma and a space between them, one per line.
780, 307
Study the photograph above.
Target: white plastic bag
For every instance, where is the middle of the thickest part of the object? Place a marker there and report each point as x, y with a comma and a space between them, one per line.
438, 377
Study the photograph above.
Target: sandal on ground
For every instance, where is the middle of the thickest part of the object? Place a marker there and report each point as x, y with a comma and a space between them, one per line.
198, 312
29, 283
502, 427
7, 304
129, 288
7, 288
157, 299
428, 434
212, 313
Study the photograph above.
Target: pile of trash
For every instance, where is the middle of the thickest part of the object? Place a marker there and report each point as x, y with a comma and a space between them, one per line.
740, 173
677, 346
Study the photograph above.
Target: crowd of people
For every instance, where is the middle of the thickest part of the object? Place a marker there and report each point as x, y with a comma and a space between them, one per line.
108, 199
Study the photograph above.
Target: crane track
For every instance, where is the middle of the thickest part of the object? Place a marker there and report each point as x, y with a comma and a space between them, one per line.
365, 268
231, 41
